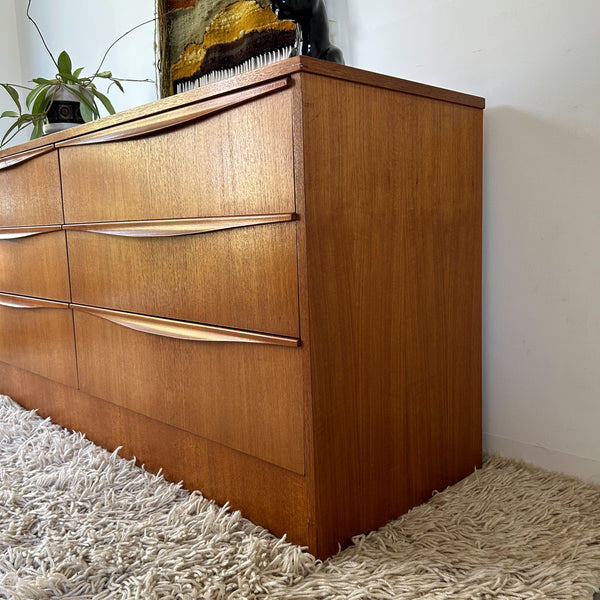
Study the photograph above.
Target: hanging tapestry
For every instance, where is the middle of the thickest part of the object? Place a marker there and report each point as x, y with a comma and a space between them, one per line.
202, 41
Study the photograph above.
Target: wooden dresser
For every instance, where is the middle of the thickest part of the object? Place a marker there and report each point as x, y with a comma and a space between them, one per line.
269, 287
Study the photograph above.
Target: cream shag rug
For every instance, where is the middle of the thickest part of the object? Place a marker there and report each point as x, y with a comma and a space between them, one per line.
79, 522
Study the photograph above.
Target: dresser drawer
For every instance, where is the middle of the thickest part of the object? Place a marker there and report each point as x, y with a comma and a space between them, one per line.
239, 272
228, 155
33, 262
37, 335
238, 389
30, 188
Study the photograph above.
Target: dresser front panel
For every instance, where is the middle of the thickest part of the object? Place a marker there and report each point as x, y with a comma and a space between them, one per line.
33, 262
246, 396
30, 189
245, 277
234, 162
38, 336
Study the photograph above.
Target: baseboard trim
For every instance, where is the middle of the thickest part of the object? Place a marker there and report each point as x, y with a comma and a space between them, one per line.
585, 468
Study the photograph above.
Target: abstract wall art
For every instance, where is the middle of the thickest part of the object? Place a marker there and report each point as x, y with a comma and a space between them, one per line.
202, 41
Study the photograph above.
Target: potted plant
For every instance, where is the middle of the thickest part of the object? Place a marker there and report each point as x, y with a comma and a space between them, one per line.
63, 101
78, 96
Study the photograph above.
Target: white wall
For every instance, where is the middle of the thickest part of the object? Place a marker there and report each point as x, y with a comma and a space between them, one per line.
85, 30
535, 61
10, 61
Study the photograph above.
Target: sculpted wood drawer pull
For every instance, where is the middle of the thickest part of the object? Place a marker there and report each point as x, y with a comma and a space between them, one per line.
22, 302
15, 159
14, 233
175, 117
175, 227
181, 330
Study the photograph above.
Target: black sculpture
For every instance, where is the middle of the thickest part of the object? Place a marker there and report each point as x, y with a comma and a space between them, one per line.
312, 18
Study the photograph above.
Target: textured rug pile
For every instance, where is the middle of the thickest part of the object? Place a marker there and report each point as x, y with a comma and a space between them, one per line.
79, 522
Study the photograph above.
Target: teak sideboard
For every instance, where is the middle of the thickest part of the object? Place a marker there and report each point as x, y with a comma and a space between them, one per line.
269, 287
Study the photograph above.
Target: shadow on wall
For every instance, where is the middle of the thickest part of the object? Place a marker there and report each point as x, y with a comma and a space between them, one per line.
541, 283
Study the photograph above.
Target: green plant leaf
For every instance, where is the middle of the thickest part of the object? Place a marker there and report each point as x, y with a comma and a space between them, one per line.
34, 93
24, 119
65, 65
42, 101
12, 92
15, 127
104, 74
72, 79
86, 112
107, 103
89, 110
42, 81
117, 83
10, 113
77, 72
38, 130
84, 97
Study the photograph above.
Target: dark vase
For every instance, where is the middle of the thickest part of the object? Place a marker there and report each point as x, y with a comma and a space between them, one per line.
311, 16
64, 112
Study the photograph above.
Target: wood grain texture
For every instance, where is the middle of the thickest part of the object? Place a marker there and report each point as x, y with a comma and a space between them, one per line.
379, 275
245, 278
34, 265
393, 242
303, 303
332, 70
37, 336
21, 157
278, 503
175, 118
245, 396
233, 163
297, 64
30, 192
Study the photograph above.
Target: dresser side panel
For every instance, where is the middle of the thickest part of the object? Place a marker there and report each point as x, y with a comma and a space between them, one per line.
393, 242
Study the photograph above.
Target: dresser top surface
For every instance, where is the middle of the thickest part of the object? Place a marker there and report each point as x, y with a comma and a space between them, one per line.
290, 66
